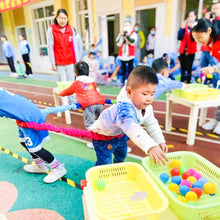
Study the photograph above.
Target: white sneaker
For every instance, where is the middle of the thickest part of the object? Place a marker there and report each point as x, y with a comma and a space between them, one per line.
217, 128
90, 145
34, 168
55, 174
210, 125
128, 149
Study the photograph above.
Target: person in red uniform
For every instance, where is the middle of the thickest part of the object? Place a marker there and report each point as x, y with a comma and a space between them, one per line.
187, 48
86, 92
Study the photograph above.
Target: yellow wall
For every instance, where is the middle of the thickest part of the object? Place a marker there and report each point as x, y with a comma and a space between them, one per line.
128, 8
138, 3
168, 18
9, 26
94, 20
19, 17
29, 28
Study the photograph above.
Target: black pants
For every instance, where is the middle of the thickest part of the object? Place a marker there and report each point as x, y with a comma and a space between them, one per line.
186, 62
11, 64
130, 68
27, 63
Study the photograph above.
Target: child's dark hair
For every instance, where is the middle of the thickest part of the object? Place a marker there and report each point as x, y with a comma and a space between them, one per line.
82, 68
202, 26
4, 37
140, 75
159, 64
191, 10
58, 12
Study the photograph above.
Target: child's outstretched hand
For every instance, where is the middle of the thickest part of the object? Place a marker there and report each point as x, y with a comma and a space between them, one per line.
164, 147
157, 154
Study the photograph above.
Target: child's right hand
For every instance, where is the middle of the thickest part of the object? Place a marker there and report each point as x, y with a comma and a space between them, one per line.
157, 155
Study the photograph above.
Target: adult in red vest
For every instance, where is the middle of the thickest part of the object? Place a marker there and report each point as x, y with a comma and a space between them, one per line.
126, 41
187, 47
60, 41
208, 34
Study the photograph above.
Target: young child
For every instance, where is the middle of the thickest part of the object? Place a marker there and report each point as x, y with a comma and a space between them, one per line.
10, 107
86, 92
160, 66
125, 117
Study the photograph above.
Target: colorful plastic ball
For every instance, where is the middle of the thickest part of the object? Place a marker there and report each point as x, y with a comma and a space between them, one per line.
164, 177
100, 184
175, 164
175, 172
185, 175
182, 169
184, 189
191, 171
176, 179
191, 179
198, 191
191, 196
197, 175
209, 188
203, 180
173, 187
185, 182
182, 199
197, 184
192, 203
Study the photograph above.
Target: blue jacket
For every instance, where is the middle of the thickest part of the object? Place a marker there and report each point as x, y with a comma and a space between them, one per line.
8, 50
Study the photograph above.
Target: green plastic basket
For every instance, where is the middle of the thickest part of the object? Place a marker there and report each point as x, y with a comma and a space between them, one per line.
208, 207
64, 84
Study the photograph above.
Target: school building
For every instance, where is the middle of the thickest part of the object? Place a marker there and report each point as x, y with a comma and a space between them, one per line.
96, 21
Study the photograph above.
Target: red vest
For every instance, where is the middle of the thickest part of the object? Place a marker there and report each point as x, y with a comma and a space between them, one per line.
215, 50
63, 47
131, 48
191, 45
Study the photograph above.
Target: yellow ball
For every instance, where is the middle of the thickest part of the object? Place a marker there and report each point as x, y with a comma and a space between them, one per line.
191, 196
182, 199
173, 187
175, 164
209, 188
191, 179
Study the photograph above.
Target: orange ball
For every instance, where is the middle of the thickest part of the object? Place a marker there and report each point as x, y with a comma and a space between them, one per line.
185, 175
191, 196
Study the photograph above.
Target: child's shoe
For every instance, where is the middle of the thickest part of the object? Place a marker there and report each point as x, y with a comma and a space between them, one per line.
34, 168
217, 128
55, 174
210, 125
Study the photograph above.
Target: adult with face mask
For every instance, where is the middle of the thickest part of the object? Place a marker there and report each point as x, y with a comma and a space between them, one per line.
150, 43
61, 51
140, 41
188, 47
126, 41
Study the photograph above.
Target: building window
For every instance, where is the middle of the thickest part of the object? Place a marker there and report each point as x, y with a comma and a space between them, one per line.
43, 18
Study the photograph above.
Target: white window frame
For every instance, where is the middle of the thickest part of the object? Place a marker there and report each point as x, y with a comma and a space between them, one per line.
32, 7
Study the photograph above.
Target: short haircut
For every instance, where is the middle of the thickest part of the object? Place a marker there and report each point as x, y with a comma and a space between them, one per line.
91, 53
4, 37
159, 64
141, 75
82, 68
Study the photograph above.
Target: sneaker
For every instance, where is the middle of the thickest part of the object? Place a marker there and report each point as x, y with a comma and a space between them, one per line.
55, 174
34, 168
210, 125
128, 149
90, 145
217, 128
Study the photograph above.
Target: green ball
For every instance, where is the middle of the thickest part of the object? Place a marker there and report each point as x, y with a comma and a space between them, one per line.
182, 169
192, 203
100, 184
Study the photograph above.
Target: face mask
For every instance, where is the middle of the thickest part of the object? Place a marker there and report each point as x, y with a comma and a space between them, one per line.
152, 32
128, 29
136, 29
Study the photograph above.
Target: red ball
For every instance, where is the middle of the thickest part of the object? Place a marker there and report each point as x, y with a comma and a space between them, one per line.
185, 175
174, 172
197, 190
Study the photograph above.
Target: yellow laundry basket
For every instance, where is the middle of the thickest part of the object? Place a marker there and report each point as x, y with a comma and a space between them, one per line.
129, 193
208, 207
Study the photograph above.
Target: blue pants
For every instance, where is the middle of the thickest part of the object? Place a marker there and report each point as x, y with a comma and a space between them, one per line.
105, 149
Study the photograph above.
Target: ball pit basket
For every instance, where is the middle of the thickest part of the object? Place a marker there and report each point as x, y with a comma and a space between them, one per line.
120, 199
208, 207
64, 84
